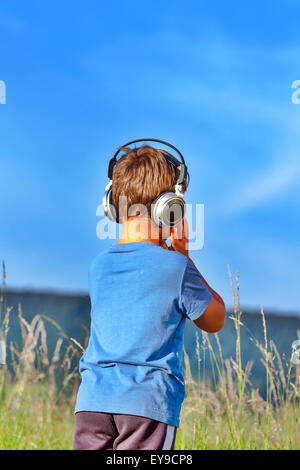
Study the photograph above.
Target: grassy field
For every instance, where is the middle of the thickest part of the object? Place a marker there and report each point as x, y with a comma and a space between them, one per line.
38, 392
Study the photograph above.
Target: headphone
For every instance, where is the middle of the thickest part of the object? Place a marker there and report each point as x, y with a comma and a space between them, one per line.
168, 209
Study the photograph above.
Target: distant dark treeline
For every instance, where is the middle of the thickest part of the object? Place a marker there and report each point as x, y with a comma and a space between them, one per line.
72, 313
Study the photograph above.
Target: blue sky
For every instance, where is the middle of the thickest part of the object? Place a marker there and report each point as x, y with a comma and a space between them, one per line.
213, 78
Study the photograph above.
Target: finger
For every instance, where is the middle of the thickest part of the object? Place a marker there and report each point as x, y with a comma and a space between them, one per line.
185, 228
172, 236
179, 230
164, 245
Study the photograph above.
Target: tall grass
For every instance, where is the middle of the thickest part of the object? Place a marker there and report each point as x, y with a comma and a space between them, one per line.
230, 413
38, 391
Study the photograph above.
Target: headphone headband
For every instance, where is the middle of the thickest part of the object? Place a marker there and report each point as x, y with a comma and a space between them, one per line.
151, 140
181, 167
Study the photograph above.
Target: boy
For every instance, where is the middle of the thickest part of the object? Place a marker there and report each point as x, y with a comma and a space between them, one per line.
141, 292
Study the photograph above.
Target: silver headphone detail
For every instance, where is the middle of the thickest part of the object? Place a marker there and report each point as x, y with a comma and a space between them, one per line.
168, 209
107, 203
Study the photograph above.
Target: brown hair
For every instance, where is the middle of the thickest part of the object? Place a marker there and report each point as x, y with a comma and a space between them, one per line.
141, 174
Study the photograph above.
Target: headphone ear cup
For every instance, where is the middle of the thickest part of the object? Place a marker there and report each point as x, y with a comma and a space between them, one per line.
109, 207
168, 209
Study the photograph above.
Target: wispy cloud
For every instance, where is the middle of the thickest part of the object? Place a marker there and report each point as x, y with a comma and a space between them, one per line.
265, 187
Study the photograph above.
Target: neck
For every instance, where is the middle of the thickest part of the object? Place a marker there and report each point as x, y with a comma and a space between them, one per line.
140, 229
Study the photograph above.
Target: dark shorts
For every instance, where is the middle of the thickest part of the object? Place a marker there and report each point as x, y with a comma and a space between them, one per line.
106, 431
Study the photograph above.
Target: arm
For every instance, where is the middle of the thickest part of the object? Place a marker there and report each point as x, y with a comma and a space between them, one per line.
213, 318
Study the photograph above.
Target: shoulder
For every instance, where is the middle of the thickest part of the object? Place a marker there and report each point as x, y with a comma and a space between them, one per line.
99, 259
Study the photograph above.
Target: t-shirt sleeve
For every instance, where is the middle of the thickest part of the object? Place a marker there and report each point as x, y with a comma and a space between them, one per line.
195, 295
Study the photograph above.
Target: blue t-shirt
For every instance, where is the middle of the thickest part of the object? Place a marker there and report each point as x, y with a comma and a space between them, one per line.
141, 295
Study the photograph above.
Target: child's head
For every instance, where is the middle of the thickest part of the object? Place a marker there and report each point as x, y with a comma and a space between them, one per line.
141, 175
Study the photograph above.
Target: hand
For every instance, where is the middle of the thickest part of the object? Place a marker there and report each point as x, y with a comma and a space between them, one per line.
180, 237
163, 244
